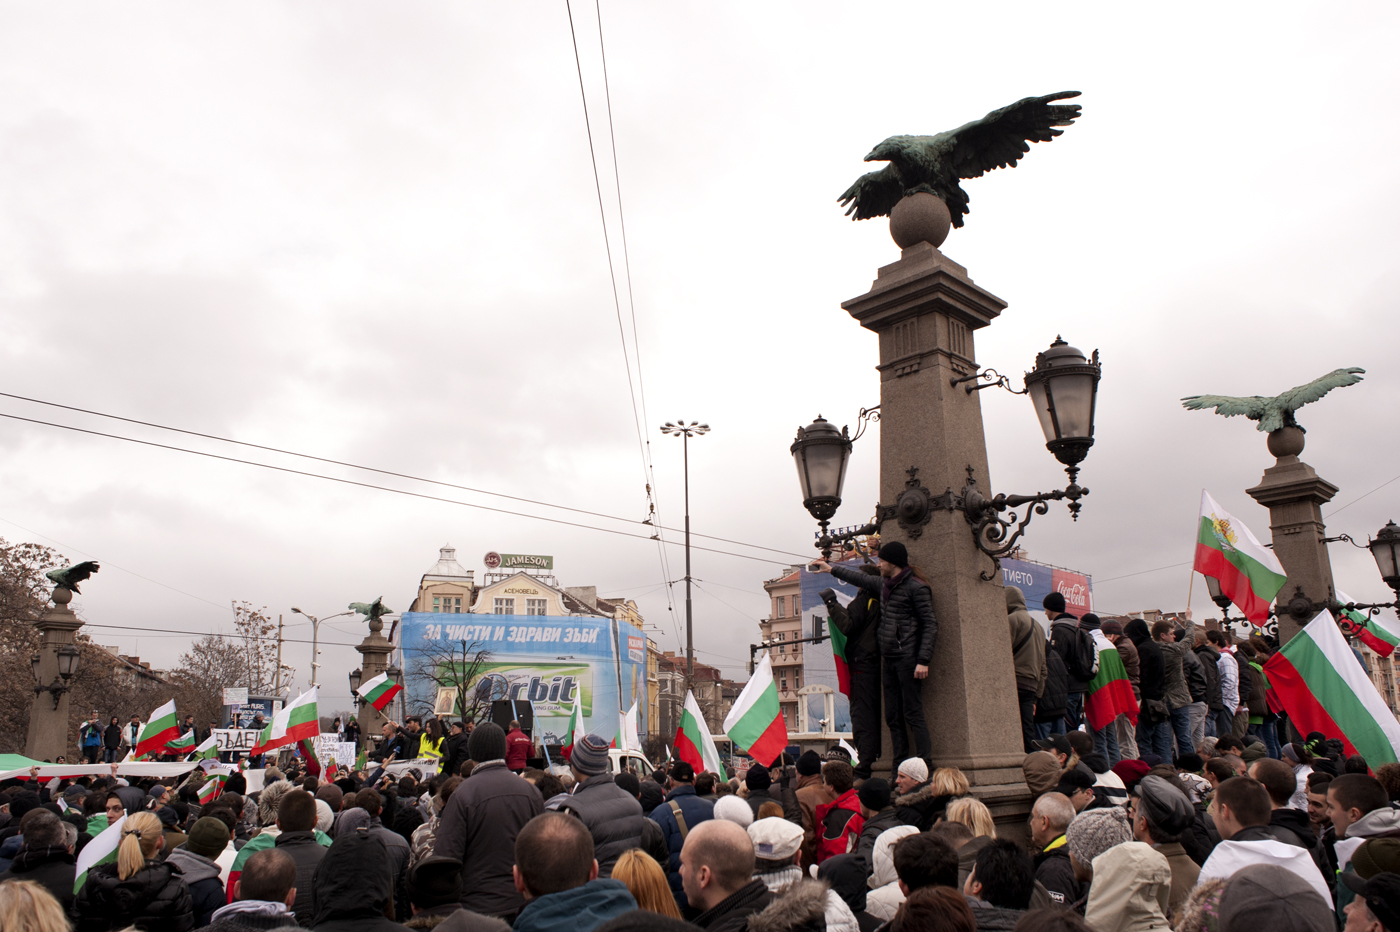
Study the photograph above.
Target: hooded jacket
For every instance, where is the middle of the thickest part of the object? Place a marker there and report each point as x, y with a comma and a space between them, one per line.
921, 807
581, 909
1029, 657
885, 897
874, 827
1378, 823
811, 792
353, 886
155, 899
806, 906
907, 627
1132, 884
50, 867
1056, 874
612, 815
202, 877
1291, 826
479, 826
1128, 653
307, 853
1152, 681
1210, 666
1064, 639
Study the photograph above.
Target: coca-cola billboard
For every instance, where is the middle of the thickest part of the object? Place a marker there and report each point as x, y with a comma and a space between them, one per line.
1037, 580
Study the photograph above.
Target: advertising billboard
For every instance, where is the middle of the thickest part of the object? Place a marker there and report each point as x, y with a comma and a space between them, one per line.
1036, 581
546, 660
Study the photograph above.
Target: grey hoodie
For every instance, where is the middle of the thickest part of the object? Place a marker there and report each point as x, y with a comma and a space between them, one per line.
193, 867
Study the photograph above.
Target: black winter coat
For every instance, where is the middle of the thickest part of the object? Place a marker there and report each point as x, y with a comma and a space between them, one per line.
1210, 664
112, 736
478, 827
154, 899
1197, 681
1053, 704
1064, 640
454, 755
907, 625
51, 868
861, 627
1056, 874
695, 810
307, 853
354, 884
1152, 677
613, 816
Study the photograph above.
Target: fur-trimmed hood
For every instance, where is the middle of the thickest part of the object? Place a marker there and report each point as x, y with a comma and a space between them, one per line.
799, 908
919, 795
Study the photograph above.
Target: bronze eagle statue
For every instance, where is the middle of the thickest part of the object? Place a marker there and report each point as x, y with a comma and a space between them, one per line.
935, 163
1275, 413
371, 610
69, 576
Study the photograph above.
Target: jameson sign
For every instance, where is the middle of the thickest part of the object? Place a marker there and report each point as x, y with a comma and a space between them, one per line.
518, 561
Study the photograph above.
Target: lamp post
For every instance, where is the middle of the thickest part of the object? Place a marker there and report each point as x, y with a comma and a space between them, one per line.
1385, 547
55, 664
821, 453
685, 432
315, 637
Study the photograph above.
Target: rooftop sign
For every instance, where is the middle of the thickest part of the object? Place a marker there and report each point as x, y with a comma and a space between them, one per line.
518, 561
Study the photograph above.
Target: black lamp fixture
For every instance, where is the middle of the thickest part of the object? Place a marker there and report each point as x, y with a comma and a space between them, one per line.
1064, 387
1385, 547
355, 676
821, 453
68, 658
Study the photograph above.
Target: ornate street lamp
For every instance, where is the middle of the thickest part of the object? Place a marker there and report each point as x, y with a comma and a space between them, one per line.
1385, 547
68, 658
355, 677
821, 453
1064, 388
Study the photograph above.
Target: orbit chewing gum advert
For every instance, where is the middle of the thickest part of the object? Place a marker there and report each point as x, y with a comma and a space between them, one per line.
549, 687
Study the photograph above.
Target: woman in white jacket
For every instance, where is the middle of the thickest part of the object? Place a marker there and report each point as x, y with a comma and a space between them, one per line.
885, 897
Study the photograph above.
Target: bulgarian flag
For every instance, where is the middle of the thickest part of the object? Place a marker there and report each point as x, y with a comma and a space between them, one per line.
100, 850
1109, 694
571, 732
1324, 688
209, 750
212, 788
296, 721
1371, 631
838, 652
380, 691
308, 752
160, 729
755, 724
181, 744
694, 745
1249, 573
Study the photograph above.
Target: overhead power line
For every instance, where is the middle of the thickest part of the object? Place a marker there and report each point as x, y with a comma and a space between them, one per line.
348, 465
369, 485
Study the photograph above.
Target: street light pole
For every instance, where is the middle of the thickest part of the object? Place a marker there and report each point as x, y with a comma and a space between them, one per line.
685, 431
315, 636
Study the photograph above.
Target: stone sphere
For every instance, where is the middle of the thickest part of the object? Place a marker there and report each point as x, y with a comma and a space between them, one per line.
1286, 441
920, 218
62, 596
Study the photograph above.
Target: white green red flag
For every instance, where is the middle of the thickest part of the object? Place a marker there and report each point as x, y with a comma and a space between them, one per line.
308, 753
755, 724
380, 691
297, 720
99, 850
212, 788
1376, 634
160, 729
1248, 572
1323, 687
209, 750
694, 744
181, 744
571, 731
1110, 694
838, 653
631, 735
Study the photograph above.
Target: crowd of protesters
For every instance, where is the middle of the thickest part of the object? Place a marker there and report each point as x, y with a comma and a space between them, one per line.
1216, 840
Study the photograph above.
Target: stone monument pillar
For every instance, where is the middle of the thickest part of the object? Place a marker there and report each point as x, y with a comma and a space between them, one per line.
48, 719
1294, 494
374, 651
926, 309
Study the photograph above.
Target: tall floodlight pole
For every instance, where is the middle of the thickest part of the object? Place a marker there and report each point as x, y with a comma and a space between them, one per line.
685, 432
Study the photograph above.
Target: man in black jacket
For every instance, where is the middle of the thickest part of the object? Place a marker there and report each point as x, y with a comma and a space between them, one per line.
906, 633
717, 864
454, 752
1290, 826
859, 622
1050, 817
1064, 640
296, 818
612, 815
44, 857
1154, 720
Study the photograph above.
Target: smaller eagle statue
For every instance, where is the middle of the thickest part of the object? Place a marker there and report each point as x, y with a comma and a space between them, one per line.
68, 577
372, 611
1275, 413
935, 163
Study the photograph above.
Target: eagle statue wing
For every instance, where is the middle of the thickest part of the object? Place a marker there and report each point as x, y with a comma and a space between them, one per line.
69, 576
1001, 138
874, 194
1253, 406
1295, 398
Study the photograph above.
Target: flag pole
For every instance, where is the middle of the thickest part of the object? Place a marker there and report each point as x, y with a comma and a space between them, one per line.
1190, 587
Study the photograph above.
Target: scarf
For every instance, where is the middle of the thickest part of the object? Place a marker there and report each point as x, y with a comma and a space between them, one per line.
254, 907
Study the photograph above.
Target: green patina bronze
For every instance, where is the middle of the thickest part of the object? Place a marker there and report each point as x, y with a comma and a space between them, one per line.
1275, 413
372, 611
935, 163
68, 577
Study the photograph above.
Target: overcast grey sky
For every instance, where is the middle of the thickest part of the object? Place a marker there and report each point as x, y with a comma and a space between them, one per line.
370, 232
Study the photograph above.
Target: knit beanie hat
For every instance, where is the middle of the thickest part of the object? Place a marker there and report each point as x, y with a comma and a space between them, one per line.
734, 809
1094, 831
331, 795
758, 778
325, 818
269, 800
895, 552
809, 764
168, 817
1054, 602
23, 802
487, 743
435, 882
208, 837
874, 794
590, 756
914, 768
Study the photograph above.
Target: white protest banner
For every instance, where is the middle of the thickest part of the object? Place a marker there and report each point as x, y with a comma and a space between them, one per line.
235, 739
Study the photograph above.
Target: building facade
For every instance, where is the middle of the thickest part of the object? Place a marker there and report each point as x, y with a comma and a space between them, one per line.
1382, 671
447, 587
779, 630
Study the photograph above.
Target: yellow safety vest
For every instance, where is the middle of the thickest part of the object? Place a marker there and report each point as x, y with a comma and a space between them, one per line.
427, 748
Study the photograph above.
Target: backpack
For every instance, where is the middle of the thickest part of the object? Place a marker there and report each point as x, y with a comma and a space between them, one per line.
1052, 704
1082, 657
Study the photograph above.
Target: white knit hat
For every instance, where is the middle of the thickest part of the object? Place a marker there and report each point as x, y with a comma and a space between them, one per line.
915, 768
734, 809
